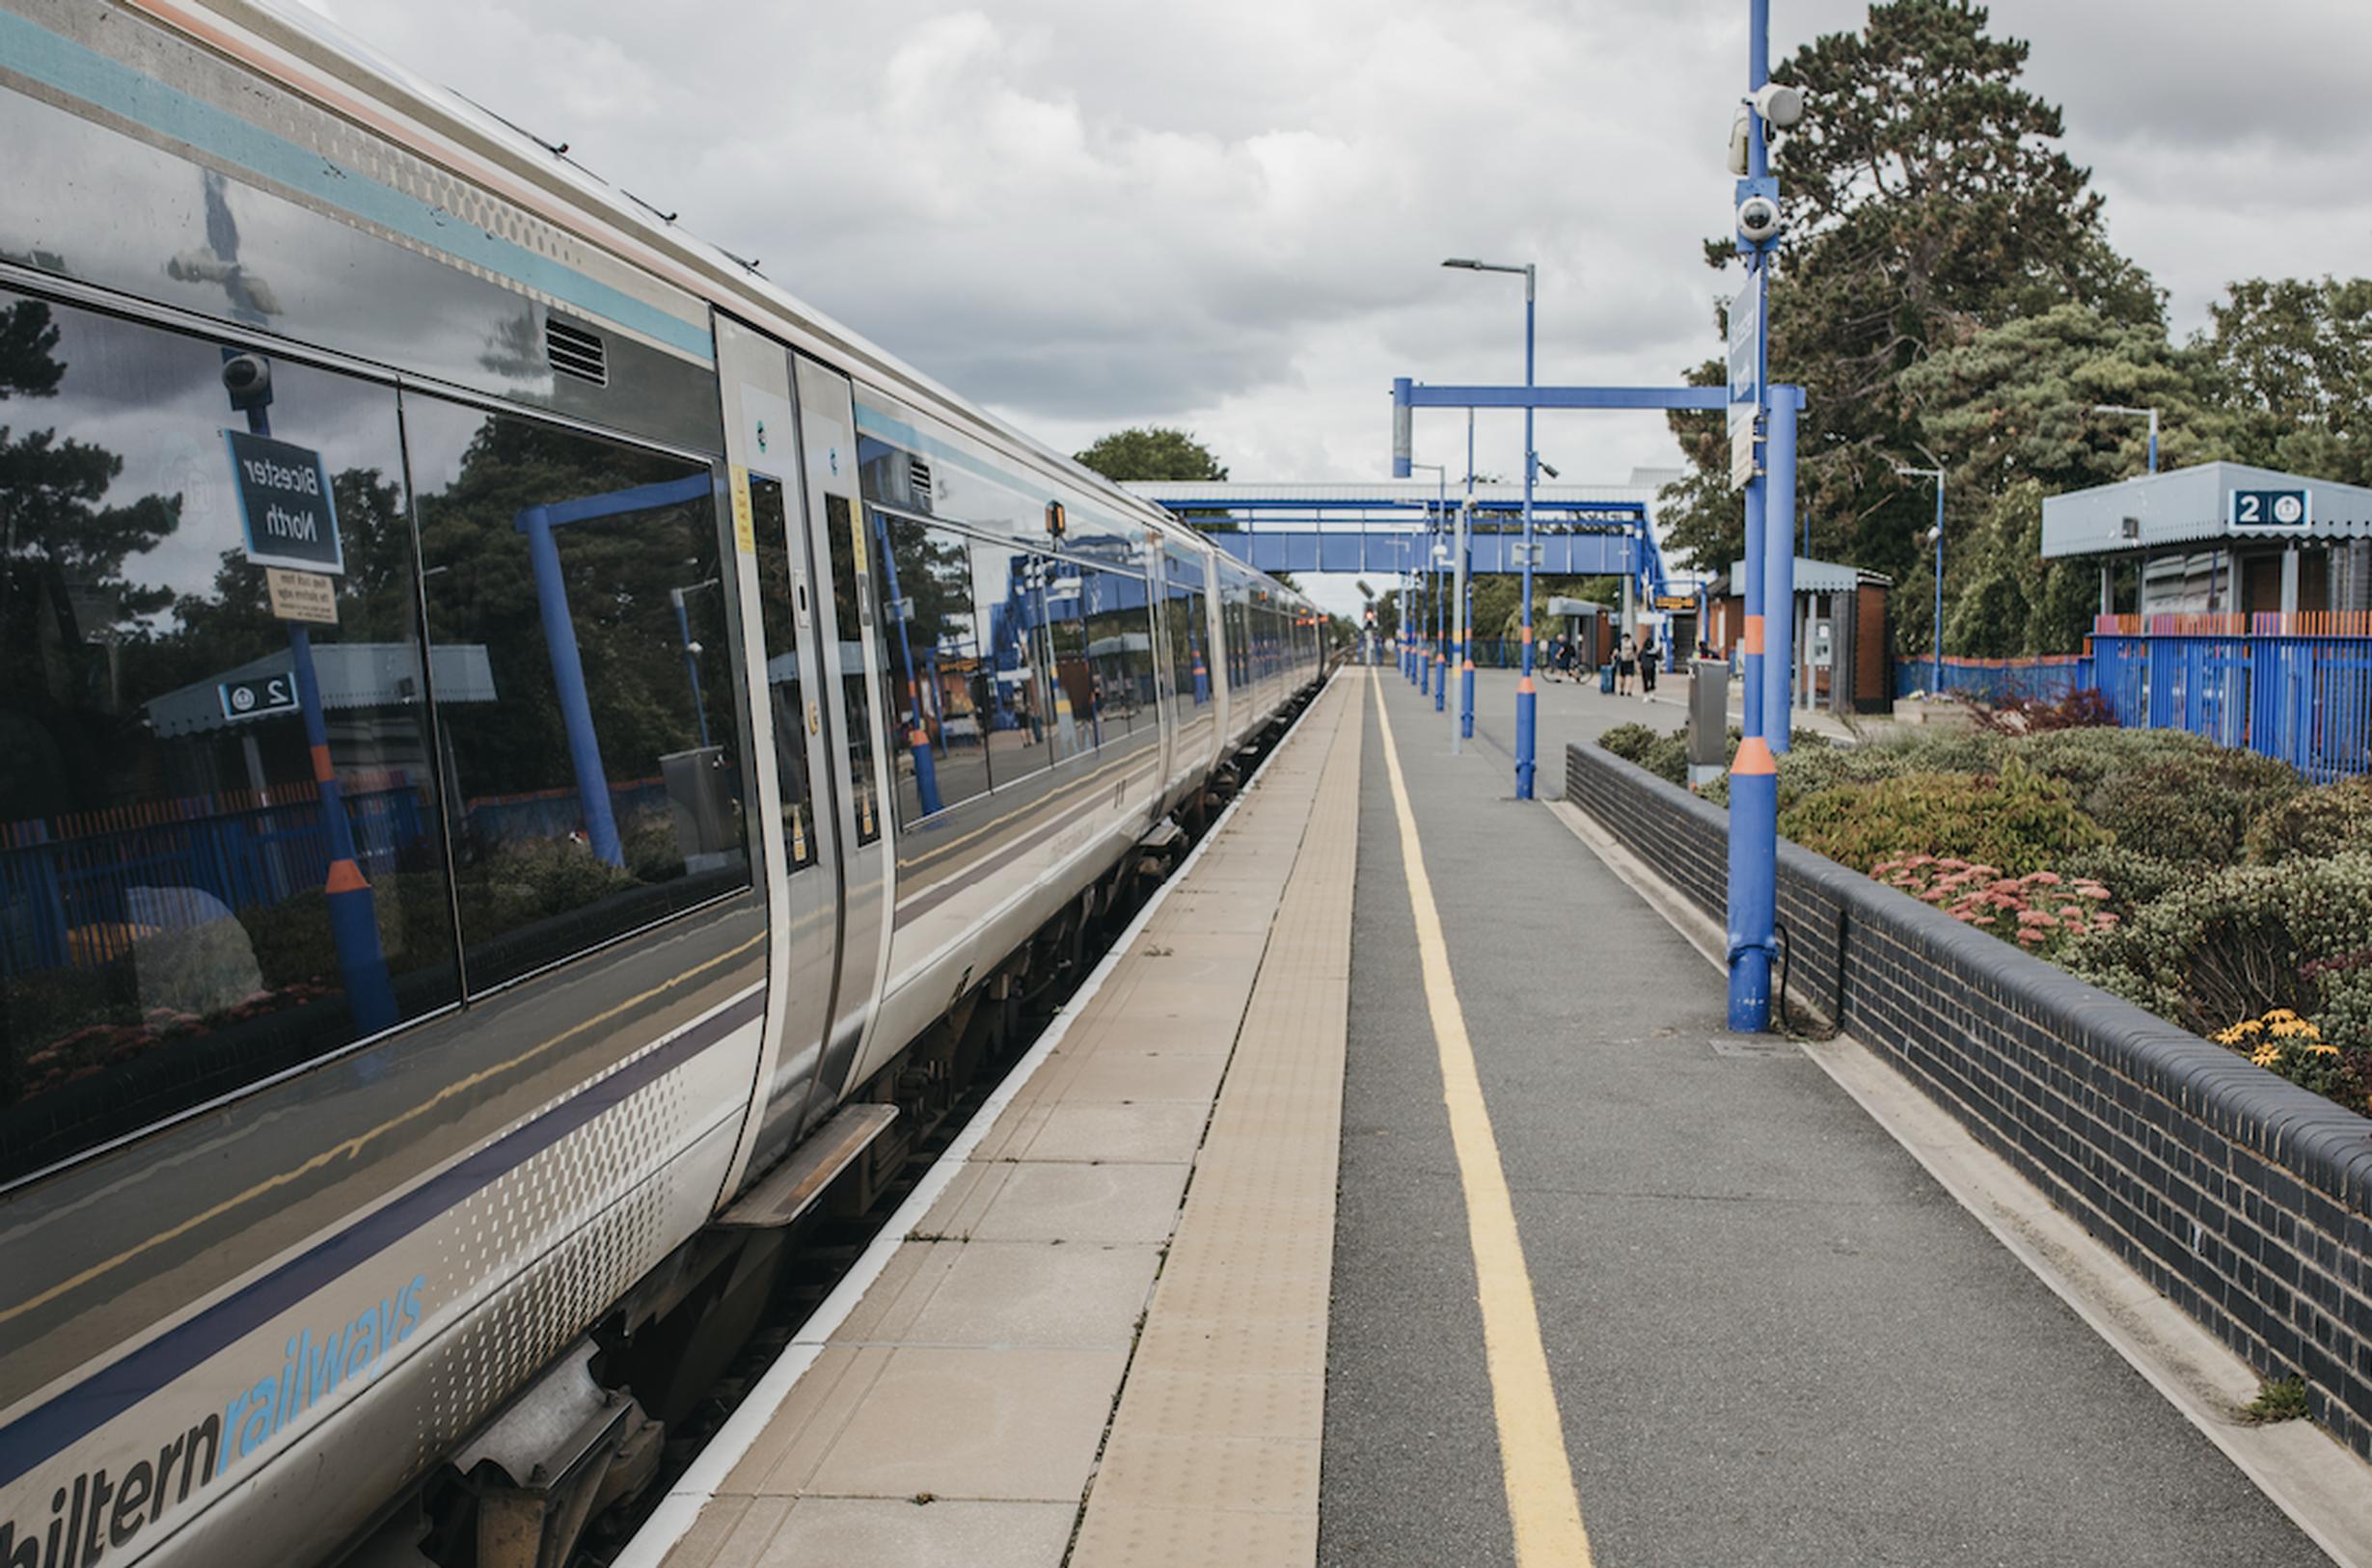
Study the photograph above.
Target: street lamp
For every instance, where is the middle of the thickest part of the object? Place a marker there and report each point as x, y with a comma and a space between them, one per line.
1525, 697
2149, 413
1935, 537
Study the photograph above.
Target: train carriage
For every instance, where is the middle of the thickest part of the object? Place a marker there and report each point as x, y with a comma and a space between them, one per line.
524, 751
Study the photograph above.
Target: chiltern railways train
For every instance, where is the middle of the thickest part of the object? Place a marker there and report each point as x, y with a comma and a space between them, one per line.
524, 752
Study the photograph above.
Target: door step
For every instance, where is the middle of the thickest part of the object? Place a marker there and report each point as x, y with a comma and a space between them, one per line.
790, 1189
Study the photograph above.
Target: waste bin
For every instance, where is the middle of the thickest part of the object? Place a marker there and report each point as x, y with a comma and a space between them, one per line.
1708, 721
1606, 679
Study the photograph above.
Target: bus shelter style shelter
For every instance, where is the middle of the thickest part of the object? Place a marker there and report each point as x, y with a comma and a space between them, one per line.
2219, 538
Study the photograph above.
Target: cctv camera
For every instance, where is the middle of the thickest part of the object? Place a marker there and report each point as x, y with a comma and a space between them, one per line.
1759, 220
1782, 107
248, 379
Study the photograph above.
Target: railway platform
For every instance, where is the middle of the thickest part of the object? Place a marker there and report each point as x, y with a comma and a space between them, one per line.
1394, 1196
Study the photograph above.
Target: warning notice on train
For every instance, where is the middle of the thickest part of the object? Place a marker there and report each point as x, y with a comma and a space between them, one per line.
302, 596
285, 502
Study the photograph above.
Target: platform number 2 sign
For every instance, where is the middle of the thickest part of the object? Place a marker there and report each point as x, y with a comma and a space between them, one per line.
2270, 508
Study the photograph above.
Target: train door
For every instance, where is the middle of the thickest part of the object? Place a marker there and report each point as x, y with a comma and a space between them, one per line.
852, 690
796, 822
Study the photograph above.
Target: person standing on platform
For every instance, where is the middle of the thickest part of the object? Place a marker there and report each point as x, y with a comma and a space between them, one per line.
1626, 663
1649, 653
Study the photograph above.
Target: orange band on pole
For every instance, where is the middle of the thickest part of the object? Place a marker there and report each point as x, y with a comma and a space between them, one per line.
1527, 634
1524, 685
345, 877
322, 772
1753, 641
1753, 757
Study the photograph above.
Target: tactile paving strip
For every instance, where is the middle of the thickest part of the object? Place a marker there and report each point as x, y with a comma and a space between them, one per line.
1214, 1453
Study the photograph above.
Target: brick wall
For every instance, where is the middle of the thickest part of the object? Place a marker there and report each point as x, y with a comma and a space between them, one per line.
2245, 1200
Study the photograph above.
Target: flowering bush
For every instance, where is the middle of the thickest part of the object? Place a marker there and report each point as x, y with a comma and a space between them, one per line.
2016, 821
2283, 1043
2039, 912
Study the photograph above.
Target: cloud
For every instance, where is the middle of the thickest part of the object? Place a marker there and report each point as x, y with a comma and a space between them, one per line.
1229, 215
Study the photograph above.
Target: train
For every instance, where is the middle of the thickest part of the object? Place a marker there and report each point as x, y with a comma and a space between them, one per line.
530, 760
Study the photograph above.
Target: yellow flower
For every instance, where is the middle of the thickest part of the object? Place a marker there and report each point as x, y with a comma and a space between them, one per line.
2279, 1014
2324, 1048
2266, 1055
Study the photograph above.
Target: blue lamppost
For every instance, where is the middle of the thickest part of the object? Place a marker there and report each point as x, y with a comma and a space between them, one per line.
1935, 537
1526, 699
2149, 413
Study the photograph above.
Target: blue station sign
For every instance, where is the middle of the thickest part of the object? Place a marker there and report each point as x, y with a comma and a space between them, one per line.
285, 502
258, 698
2272, 508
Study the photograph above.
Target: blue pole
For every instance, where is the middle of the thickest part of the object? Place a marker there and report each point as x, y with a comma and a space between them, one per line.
1754, 773
917, 739
1937, 682
1526, 699
1779, 568
569, 683
353, 909
1750, 600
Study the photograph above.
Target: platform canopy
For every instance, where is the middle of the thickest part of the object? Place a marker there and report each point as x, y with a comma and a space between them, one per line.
1818, 577
2211, 501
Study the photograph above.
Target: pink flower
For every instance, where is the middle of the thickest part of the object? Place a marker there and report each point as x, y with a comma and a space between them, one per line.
2048, 879
1933, 895
2030, 936
2035, 917
2091, 890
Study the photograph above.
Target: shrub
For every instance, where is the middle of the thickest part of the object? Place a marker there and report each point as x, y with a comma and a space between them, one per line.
2320, 822
2191, 810
2040, 911
2086, 708
1629, 741
2016, 821
2133, 879
2243, 942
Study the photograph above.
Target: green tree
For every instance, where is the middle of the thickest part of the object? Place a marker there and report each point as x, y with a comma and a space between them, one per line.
2292, 359
1151, 452
1930, 202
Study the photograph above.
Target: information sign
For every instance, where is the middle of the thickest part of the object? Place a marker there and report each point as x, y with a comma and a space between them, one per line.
1745, 379
258, 698
302, 596
2272, 508
1674, 601
285, 502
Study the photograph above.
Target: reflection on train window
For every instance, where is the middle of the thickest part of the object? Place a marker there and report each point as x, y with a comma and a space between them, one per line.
840, 540
1065, 596
1188, 630
779, 614
938, 688
1120, 652
1013, 647
167, 933
585, 684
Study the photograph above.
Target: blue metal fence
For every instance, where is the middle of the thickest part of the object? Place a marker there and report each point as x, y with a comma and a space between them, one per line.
2052, 678
2306, 700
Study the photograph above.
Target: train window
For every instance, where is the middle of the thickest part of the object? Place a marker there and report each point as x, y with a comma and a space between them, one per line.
847, 600
219, 856
1013, 647
778, 613
584, 689
1120, 651
1065, 596
937, 686
1188, 632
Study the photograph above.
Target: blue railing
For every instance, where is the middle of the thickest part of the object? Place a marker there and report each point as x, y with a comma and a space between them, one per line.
2306, 700
2052, 678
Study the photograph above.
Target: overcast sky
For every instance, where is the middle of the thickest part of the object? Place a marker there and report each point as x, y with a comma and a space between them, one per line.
1229, 214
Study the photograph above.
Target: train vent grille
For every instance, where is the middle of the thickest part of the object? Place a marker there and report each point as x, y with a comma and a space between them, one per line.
576, 352
918, 479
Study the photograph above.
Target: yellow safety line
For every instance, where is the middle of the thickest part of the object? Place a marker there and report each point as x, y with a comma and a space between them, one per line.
1541, 1501
349, 1146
